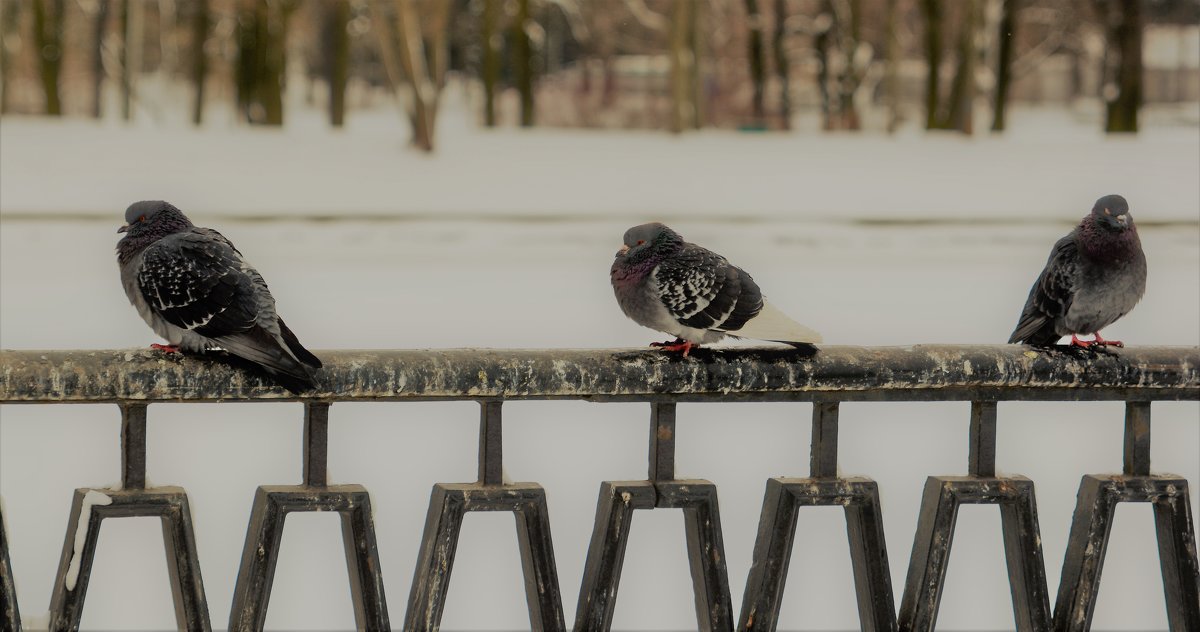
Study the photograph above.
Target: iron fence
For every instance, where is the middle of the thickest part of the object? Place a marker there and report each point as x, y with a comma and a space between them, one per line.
982, 375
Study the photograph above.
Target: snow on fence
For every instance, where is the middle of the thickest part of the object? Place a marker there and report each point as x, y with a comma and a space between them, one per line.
982, 375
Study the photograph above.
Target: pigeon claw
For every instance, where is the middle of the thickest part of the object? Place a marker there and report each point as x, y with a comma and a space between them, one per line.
679, 344
165, 348
1082, 344
1107, 343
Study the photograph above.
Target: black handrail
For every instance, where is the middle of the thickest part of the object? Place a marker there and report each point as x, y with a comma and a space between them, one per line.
982, 375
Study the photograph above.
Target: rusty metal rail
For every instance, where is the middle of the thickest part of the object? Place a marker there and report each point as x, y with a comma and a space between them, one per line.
982, 375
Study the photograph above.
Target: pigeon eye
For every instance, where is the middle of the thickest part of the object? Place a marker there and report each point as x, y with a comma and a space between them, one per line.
142, 218
641, 241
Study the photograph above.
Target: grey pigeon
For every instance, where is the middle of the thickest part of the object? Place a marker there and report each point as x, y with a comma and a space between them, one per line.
1094, 276
665, 283
194, 289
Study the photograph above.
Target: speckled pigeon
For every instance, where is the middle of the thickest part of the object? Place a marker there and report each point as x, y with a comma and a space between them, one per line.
194, 289
665, 283
1094, 276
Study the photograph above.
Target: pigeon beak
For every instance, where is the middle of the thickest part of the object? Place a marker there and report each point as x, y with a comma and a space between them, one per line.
623, 251
1123, 219
123, 229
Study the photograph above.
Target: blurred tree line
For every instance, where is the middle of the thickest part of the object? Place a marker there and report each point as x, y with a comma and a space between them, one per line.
667, 64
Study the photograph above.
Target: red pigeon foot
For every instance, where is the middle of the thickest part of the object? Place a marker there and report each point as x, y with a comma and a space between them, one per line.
165, 348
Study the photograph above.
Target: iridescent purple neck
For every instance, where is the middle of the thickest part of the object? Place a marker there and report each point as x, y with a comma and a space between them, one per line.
1106, 245
624, 272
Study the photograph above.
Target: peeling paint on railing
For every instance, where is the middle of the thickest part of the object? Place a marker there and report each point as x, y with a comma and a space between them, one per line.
844, 373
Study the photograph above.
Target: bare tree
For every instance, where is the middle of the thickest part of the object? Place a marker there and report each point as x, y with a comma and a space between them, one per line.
99, 29
956, 112
200, 27
1122, 84
683, 60
891, 75
758, 61
48, 37
336, 20
10, 14
1007, 36
842, 64
490, 66
523, 61
782, 66
404, 52
132, 18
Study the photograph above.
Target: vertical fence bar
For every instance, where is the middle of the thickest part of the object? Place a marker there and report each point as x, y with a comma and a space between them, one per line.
491, 443
133, 446
662, 441
1137, 439
981, 459
823, 461
316, 444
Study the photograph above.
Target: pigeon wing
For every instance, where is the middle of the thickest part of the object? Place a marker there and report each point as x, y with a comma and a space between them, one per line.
702, 290
1051, 295
199, 283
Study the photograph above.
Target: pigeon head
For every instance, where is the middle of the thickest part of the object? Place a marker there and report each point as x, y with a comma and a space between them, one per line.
147, 222
649, 242
1111, 212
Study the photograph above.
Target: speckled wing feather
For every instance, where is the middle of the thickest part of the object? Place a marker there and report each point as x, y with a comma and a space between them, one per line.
1051, 295
700, 289
198, 282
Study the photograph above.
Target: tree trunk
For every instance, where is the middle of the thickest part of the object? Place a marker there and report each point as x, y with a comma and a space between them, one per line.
962, 90
683, 108
262, 60
490, 69
9, 16
758, 62
132, 18
99, 28
1007, 37
200, 26
782, 67
47, 36
932, 10
337, 57
840, 81
891, 76
523, 60
1123, 75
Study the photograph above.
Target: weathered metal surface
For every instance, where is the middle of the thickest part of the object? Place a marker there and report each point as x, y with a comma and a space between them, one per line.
661, 466
10, 614
610, 536
491, 443
133, 446
935, 532
1136, 455
316, 444
448, 505
170, 504
923, 372
981, 455
777, 532
1090, 529
260, 555
822, 462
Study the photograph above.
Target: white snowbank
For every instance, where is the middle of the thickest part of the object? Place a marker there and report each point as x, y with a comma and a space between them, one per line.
1045, 171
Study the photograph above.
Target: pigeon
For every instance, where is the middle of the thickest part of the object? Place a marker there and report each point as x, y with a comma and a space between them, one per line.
665, 283
192, 287
1095, 275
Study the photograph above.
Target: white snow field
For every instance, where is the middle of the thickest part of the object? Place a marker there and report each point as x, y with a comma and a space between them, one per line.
503, 239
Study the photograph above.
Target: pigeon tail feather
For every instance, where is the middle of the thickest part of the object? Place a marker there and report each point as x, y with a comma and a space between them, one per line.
268, 351
297, 349
772, 324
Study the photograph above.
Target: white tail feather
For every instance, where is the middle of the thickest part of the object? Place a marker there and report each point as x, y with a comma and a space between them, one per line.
772, 324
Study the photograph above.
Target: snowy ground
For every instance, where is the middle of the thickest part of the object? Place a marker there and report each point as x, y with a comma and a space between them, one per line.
514, 253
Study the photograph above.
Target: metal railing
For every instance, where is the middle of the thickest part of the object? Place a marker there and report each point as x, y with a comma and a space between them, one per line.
983, 375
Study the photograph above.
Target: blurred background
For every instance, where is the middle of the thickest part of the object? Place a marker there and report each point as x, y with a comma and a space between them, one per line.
458, 173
